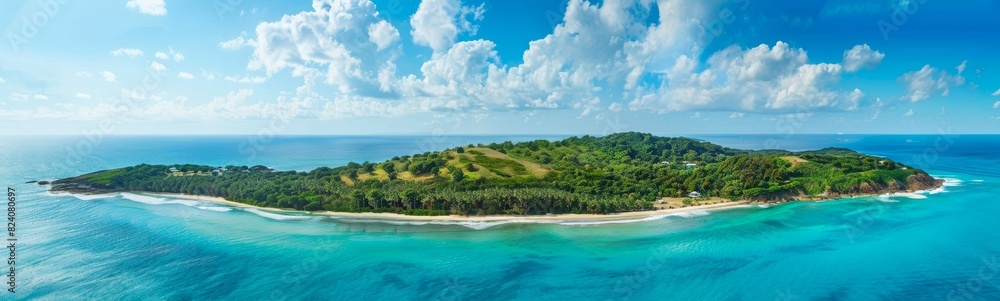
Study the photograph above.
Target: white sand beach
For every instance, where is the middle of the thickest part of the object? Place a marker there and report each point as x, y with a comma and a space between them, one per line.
457, 218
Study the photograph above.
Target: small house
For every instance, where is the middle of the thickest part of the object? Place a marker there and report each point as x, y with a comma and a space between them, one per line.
694, 195
690, 165
173, 169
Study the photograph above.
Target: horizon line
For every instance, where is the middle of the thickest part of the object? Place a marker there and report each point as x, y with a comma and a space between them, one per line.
488, 134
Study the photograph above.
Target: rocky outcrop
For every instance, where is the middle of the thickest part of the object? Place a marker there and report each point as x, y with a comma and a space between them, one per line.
922, 181
780, 197
74, 185
915, 182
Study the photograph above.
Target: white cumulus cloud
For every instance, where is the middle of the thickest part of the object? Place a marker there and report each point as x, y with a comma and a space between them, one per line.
437, 23
861, 57
331, 44
615, 107
928, 81
19, 97
246, 80
383, 34
185, 75
239, 43
461, 71
156, 66
149, 7
129, 52
762, 78
134, 94
108, 76
596, 49
177, 56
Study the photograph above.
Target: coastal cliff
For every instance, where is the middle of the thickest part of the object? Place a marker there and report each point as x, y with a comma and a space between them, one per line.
915, 182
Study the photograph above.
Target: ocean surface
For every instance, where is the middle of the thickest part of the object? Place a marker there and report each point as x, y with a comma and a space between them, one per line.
938, 245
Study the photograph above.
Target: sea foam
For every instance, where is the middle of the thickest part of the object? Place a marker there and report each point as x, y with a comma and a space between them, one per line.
623, 221
937, 190
909, 195
683, 214
948, 182
920, 195
481, 225
487, 225
150, 200
188, 203
211, 208
886, 199
468, 224
90, 197
690, 214
275, 216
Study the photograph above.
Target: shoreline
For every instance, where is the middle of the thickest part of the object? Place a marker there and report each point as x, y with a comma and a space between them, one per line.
624, 216
548, 218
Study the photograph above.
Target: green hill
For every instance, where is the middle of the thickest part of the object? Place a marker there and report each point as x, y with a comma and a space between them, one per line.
615, 173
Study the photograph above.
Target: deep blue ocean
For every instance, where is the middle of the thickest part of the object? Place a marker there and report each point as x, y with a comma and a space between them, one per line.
940, 245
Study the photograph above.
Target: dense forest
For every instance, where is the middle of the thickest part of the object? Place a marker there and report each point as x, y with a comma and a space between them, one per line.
615, 173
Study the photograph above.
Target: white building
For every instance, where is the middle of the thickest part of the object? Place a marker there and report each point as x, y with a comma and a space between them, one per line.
694, 195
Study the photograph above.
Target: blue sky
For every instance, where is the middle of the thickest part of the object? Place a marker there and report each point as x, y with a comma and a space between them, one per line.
499, 67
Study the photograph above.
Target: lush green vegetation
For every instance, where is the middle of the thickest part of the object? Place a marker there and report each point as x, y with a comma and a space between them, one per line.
615, 173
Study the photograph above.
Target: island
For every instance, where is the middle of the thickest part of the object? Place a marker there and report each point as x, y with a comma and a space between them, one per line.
617, 173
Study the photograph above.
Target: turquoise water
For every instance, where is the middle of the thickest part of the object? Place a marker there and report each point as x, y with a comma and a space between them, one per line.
932, 246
